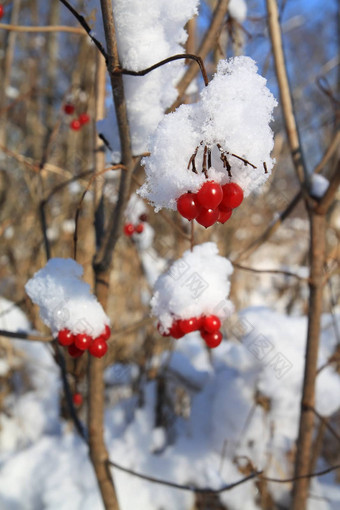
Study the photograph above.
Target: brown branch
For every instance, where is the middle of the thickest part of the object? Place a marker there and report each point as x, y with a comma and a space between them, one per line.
94, 176
131, 328
285, 92
325, 421
51, 28
191, 488
270, 271
208, 42
85, 26
306, 427
329, 195
272, 228
68, 394
103, 257
30, 163
101, 265
301, 477
25, 336
186, 56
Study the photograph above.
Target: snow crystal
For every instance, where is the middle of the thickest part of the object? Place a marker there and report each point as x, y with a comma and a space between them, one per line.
195, 285
65, 300
232, 117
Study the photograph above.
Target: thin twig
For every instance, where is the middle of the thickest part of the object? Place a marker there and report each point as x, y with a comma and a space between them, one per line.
270, 271
68, 394
208, 42
94, 176
324, 420
85, 26
285, 93
131, 328
329, 195
50, 28
25, 336
271, 229
180, 56
191, 488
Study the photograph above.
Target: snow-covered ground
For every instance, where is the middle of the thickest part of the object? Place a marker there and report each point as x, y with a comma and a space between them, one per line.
238, 403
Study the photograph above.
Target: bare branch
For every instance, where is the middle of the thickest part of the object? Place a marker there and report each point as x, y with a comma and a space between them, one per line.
25, 336
85, 26
285, 93
185, 487
208, 42
50, 28
270, 271
328, 198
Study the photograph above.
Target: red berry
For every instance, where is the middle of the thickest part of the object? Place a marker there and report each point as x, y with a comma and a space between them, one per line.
69, 108
83, 341
107, 333
175, 330
98, 348
77, 399
129, 229
232, 195
188, 325
75, 125
2, 11
211, 323
161, 331
187, 206
65, 337
74, 352
139, 229
84, 118
200, 322
210, 195
212, 339
207, 217
143, 217
224, 216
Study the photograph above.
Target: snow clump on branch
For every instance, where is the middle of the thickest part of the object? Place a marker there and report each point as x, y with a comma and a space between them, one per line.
224, 137
145, 36
65, 300
197, 284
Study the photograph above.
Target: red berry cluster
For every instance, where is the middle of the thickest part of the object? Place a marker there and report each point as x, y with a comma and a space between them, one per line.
212, 203
78, 344
76, 124
130, 228
2, 11
207, 325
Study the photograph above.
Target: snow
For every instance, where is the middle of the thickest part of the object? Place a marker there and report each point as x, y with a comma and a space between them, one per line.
65, 300
319, 185
134, 209
195, 285
238, 10
45, 465
233, 113
145, 37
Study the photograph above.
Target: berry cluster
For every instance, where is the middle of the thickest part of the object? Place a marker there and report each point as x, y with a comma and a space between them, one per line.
76, 124
207, 325
2, 11
78, 344
212, 203
130, 228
